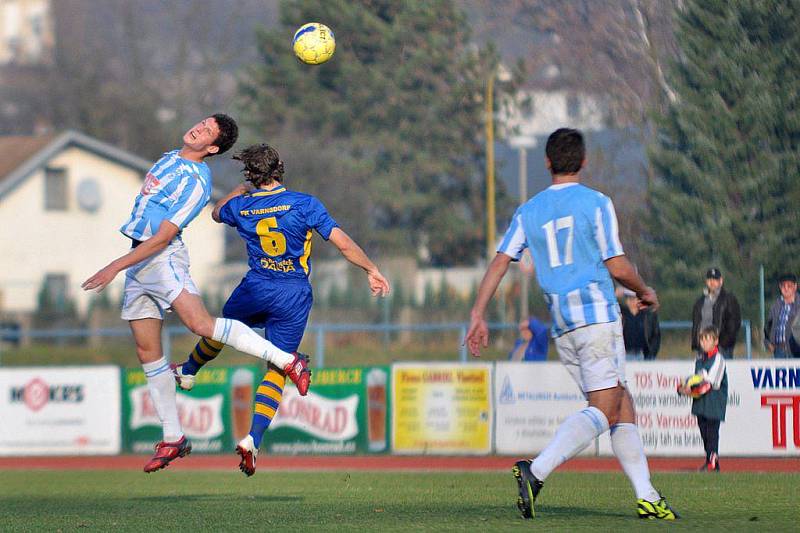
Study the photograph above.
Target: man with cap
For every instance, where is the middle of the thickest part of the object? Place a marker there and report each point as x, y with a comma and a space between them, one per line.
782, 315
717, 308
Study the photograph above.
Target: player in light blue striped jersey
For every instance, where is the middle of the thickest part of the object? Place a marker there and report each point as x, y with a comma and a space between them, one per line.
571, 231
175, 190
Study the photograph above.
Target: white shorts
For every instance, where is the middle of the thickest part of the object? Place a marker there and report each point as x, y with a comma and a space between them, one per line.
152, 285
594, 355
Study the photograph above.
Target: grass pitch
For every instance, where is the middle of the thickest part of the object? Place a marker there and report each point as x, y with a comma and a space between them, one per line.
359, 501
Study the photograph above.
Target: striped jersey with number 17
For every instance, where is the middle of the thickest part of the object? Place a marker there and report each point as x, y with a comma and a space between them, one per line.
175, 189
570, 230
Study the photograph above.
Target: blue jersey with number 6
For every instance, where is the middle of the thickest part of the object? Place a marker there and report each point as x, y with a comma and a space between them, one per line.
276, 225
570, 230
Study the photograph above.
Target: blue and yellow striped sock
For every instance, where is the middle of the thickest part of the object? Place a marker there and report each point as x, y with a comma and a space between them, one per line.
268, 398
205, 350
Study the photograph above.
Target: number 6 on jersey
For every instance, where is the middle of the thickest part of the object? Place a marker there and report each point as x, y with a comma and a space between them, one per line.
272, 242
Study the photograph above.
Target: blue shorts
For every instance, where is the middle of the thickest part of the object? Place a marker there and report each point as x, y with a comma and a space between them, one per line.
281, 308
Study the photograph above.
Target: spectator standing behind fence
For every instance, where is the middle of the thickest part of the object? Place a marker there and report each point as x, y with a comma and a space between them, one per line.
640, 330
782, 315
532, 343
717, 308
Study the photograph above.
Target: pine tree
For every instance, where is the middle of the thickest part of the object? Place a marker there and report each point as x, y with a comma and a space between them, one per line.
727, 150
395, 119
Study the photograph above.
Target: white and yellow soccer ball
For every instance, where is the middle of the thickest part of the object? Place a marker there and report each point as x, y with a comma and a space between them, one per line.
696, 386
314, 43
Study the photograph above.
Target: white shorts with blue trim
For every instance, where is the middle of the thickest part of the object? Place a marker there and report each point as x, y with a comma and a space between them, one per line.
594, 355
152, 285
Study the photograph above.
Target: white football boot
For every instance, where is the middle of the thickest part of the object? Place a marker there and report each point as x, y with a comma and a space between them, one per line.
246, 449
184, 381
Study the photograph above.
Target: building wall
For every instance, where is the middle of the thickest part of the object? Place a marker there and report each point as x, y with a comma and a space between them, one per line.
549, 110
77, 242
26, 31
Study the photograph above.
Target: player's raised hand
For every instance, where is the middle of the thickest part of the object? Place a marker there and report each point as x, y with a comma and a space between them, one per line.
378, 284
101, 279
648, 299
477, 336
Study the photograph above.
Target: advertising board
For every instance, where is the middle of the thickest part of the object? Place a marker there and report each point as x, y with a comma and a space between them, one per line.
441, 408
60, 410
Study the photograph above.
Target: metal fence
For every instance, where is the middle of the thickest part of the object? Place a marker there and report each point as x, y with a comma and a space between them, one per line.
319, 332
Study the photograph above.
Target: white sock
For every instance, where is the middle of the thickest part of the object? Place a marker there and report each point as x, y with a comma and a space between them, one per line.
572, 436
161, 384
627, 446
236, 334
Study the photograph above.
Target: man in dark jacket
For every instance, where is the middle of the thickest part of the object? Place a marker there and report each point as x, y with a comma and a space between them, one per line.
640, 329
782, 319
717, 308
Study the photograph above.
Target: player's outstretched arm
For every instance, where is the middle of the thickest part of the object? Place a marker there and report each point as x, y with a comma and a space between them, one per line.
478, 333
166, 232
238, 191
353, 253
624, 272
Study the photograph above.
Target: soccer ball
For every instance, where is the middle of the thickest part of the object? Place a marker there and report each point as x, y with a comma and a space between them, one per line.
696, 385
313, 43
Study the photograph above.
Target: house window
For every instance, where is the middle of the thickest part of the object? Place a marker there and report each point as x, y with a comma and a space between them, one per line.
55, 291
573, 106
55, 189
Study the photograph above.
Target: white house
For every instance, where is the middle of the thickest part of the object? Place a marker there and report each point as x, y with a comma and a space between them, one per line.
63, 198
548, 110
27, 36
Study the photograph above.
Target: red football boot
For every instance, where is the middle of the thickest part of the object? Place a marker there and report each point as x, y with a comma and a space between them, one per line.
299, 373
166, 452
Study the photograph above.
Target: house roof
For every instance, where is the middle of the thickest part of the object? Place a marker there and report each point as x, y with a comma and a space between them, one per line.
15, 149
20, 156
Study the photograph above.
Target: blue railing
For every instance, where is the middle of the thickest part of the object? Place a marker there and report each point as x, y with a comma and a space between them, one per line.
320, 331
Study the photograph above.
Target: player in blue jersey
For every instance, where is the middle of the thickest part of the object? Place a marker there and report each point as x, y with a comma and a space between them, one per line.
175, 190
571, 231
276, 225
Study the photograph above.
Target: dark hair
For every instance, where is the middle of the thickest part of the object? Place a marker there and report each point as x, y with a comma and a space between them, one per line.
566, 151
262, 164
787, 277
709, 331
228, 132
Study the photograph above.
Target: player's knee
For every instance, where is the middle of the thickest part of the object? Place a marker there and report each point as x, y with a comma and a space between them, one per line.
200, 325
148, 354
613, 417
611, 413
202, 328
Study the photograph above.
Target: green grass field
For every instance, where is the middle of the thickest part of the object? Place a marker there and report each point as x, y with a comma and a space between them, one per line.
285, 501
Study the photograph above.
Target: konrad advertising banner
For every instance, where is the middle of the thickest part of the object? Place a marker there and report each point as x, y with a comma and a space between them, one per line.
214, 415
345, 411
441, 408
59, 411
531, 401
761, 419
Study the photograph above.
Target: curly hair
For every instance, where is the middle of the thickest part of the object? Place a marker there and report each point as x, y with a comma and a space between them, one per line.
262, 164
228, 132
